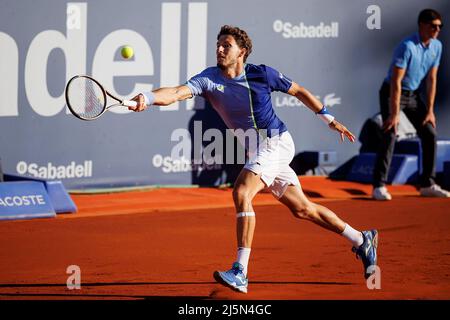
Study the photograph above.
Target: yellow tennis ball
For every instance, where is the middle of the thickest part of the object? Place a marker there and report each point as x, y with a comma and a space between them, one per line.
127, 52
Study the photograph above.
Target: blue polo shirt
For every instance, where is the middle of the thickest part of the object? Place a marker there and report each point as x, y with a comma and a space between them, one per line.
417, 59
243, 102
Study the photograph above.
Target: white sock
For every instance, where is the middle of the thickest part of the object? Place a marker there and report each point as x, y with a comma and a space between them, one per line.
354, 236
243, 255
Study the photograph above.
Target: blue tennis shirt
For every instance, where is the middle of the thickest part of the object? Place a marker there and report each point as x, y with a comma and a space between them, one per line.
243, 102
417, 59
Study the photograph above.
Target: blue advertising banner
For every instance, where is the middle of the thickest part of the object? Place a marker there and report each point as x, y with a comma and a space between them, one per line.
24, 200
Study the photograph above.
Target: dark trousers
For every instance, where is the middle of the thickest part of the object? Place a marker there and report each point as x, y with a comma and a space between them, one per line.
414, 108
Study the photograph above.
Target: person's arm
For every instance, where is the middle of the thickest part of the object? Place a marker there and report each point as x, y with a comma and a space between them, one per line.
306, 97
395, 91
431, 94
161, 97
309, 100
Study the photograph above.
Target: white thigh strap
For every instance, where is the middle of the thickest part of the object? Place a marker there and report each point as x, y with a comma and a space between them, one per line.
245, 214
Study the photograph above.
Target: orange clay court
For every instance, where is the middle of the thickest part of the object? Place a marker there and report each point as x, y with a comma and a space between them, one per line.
166, 243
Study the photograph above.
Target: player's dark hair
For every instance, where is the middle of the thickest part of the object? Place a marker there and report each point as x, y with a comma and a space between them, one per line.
240, 36
428, 15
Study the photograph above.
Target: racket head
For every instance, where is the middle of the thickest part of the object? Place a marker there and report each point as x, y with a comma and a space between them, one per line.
85, 97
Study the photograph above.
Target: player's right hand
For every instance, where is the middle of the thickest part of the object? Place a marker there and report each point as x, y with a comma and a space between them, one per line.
141, 106
391, 123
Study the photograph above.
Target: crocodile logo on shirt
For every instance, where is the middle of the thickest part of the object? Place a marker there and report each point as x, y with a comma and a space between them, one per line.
221, 88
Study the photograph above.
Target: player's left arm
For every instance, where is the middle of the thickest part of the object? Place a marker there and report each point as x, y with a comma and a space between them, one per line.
309, 100
431, 94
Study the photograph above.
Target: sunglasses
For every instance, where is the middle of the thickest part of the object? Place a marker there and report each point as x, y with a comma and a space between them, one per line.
435, 26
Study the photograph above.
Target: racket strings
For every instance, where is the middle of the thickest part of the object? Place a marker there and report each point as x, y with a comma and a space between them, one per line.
86, 98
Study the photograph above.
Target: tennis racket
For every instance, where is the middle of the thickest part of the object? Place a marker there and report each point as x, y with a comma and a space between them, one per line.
87, 98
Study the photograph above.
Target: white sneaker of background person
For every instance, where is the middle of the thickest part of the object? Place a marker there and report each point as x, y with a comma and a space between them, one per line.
434, 191
381, 193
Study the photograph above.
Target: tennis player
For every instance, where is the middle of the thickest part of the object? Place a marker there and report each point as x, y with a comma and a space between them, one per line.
241, 94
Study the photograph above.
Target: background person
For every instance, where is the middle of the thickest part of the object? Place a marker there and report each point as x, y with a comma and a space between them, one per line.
415, 59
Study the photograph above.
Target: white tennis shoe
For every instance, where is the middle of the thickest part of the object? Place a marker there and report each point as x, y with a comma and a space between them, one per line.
381, 193
233, 278
434, 191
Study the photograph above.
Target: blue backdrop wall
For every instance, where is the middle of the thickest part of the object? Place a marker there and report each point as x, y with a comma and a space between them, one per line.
339, 50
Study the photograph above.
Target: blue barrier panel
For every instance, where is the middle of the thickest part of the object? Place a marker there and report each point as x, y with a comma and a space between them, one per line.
342, 171
319, 162
414, 146
60, 199
24, 200
442, 154
410, 146
403, 169
406, 171
446, 175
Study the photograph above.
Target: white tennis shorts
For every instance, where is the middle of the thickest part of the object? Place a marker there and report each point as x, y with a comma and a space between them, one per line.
271, 160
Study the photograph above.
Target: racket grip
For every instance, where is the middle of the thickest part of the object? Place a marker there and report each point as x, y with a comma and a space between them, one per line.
129, 103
